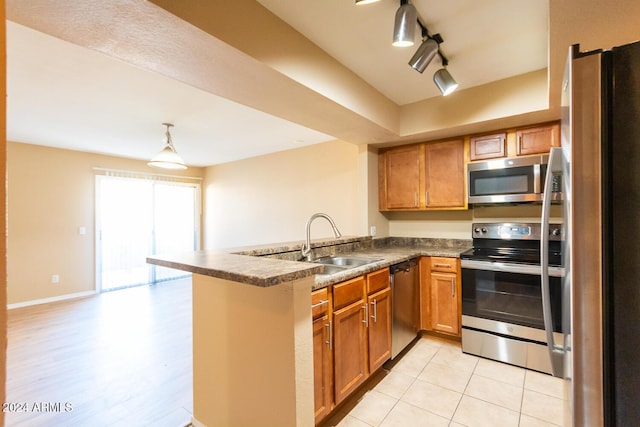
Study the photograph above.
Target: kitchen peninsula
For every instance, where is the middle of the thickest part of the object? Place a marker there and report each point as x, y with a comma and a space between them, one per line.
252, 323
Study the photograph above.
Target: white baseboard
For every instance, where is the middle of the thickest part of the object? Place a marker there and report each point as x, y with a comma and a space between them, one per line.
52, 299
196, 423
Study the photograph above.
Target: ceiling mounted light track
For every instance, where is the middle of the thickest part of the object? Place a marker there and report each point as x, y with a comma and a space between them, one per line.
404, 29
168, 158
406, 20
361, 2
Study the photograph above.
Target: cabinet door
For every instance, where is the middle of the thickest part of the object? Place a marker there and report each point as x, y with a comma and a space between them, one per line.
322, 369
349, 347
487, 146
399, 178
444, 303
537, 140
379, 328
444, 173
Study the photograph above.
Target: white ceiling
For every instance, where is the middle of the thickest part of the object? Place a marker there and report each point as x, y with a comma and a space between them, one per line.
64, 95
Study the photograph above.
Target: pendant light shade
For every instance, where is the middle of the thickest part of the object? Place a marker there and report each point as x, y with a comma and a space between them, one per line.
405, 25
168, 158
423, 56
444, 81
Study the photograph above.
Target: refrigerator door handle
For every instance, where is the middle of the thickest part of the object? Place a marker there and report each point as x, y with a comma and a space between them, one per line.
556, 352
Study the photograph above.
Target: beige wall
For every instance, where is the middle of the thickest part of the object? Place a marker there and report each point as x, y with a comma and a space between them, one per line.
269, 198
51, 194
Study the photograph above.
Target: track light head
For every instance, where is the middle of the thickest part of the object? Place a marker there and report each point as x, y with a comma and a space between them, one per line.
424, 55
405, 24
444, 81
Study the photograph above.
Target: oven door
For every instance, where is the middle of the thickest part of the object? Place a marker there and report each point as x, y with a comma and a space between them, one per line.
510, 294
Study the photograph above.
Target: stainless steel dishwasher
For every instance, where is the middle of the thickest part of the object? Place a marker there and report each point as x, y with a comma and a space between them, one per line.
404, 305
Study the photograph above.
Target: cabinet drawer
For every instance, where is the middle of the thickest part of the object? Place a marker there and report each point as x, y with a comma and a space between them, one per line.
319, 303
446, 265
348, 292
377, 280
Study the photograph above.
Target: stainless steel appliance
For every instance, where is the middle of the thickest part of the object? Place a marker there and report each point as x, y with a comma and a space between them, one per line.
503, 315
599, 157
405, 322
509, 180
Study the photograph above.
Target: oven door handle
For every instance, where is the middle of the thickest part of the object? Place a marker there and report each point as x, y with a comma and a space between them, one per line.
556, 352
509, 268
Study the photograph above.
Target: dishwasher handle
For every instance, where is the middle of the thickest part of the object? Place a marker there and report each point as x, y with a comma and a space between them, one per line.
403, 266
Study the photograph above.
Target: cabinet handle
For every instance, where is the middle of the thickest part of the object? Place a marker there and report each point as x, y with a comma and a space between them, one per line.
442, 265
375, 311
415, 200
426, 198
330, 342
366, 315
318, 304
453, 288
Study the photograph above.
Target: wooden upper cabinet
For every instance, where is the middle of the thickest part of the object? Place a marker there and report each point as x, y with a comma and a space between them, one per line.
537, 140
399, 178
444, 174
487, 146
422, 176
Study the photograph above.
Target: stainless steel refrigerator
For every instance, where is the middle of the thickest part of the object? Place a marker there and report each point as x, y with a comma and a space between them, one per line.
600, 160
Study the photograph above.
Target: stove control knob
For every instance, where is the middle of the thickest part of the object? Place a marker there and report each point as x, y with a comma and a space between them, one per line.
476, 230
555, 232
484, 230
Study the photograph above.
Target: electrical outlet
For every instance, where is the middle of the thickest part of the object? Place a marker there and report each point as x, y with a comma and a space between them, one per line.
372, 230
55, 279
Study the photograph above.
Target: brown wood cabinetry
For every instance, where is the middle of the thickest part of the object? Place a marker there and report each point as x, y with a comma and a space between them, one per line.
350, 337
444, 174
379, 323
352, 340
422, 176
322, 354
537, 140
440, 295
400, 178
487, 146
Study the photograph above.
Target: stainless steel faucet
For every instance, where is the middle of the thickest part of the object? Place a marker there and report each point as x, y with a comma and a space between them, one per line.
306, 247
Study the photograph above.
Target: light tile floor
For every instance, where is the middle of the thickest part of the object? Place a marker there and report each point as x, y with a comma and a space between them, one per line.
435, 384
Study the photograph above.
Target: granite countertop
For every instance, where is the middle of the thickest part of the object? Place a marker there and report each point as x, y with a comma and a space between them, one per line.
270, 265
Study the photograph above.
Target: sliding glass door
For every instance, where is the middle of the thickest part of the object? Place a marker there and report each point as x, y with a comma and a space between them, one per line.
138, 217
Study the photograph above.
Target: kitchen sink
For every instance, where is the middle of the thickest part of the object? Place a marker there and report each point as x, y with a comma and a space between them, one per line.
337, 263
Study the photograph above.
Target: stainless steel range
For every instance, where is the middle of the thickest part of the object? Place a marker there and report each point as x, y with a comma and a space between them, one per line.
502, 299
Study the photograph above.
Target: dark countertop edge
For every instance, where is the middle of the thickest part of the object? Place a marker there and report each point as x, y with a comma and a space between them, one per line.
264, 272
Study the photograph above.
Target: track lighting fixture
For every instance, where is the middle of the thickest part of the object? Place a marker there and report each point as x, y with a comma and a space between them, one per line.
361, 2
424, 55
444, 81
168, 158
405, 24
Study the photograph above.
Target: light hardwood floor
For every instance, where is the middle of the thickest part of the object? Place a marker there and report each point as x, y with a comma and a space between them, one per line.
121, 358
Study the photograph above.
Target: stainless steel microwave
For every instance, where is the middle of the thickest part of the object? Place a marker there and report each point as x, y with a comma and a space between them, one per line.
510, 180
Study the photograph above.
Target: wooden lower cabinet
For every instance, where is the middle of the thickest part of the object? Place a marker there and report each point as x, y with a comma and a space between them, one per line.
350, 349
322, 367
351, 336
444, 303
379, 328
440, 299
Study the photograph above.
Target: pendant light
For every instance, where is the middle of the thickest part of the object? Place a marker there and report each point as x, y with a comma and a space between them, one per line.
405, 24
168, 158
444, 81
